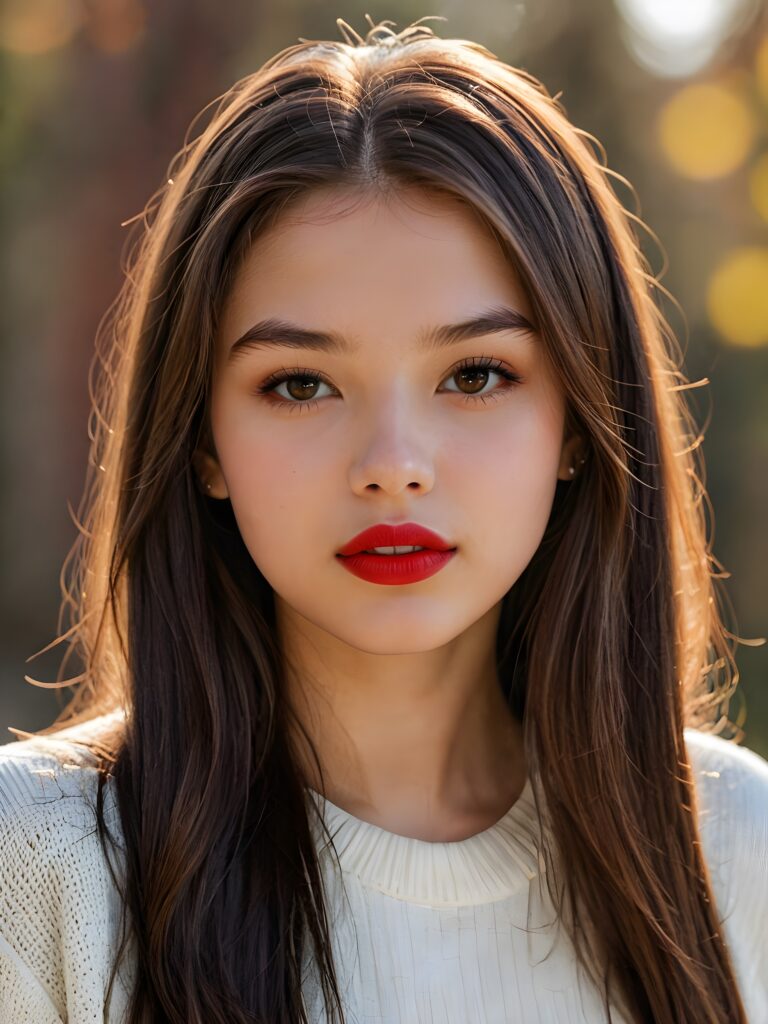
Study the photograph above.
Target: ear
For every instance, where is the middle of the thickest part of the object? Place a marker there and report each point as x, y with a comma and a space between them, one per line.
210, 478
572, 457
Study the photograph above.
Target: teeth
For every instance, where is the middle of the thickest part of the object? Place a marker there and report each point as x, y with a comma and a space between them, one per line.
393, 551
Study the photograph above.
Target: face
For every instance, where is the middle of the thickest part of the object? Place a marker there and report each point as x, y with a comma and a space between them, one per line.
387, 429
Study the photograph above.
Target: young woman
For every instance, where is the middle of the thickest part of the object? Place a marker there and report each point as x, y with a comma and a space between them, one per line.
388, 300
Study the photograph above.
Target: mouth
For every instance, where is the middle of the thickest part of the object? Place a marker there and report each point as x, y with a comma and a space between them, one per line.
389, 552
395, 540
402, 566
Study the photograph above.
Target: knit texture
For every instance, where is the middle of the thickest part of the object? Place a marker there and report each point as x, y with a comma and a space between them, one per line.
422, 932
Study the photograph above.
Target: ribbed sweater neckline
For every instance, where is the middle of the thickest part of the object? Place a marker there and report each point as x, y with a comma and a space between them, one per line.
490, 865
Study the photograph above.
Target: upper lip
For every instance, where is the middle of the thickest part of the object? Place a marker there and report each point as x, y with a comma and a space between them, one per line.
384, 535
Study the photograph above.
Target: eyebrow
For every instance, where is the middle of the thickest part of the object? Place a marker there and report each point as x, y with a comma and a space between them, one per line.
276, 332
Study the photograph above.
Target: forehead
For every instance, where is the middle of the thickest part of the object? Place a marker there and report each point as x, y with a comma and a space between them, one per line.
344, 260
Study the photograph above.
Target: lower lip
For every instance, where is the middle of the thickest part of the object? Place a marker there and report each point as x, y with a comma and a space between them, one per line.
396, 569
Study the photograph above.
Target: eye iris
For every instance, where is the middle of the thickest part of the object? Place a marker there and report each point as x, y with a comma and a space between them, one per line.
301, 387
470, 372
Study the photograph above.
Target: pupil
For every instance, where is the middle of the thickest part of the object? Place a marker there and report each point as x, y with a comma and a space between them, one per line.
302, 388
476, 373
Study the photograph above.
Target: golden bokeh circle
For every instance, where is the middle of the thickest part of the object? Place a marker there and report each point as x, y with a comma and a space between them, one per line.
706, 130
761, 67
758, 185
737, 296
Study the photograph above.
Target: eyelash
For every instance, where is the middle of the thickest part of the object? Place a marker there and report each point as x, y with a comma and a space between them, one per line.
476, 363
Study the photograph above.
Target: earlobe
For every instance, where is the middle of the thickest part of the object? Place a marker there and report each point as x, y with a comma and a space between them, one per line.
572, 458
210, 479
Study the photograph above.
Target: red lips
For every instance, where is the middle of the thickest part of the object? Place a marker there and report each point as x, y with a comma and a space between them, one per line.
395, 535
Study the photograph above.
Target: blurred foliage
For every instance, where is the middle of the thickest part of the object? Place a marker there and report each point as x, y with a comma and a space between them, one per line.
98, 96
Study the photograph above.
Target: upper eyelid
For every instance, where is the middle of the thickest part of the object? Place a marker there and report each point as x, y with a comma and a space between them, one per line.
467, 362
510, 378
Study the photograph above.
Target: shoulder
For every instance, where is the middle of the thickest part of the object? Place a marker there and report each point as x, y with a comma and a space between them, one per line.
48, 795
706, 748
732, 788
58, 902
731, 784
49, 780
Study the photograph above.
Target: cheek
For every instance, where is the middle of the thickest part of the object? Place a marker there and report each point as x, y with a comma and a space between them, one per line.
258, 453
274, 476
507, 469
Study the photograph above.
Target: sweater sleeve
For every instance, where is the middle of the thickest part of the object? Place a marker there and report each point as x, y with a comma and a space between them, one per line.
732, 793
58, 907
22, 997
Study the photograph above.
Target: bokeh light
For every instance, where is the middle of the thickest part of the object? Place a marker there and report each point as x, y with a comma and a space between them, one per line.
737, 296
117, 26
35, 28
674, 38
758, 185
761, 68
706, 130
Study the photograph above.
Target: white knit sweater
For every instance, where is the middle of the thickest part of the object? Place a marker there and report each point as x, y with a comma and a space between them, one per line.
429, 933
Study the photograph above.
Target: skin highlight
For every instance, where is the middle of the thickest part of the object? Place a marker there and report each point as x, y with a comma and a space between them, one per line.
397, 685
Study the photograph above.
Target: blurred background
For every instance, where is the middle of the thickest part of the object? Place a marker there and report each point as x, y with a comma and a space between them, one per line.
98, 95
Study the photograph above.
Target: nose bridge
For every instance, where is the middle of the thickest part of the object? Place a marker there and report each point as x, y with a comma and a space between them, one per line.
391, 442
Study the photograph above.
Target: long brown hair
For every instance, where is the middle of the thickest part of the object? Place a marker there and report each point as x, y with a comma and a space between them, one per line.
609, 643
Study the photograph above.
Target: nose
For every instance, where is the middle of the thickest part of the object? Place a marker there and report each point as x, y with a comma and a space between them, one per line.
396, 457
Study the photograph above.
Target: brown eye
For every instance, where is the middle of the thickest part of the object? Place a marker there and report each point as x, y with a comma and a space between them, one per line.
301, 387
471, 377
475, 378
